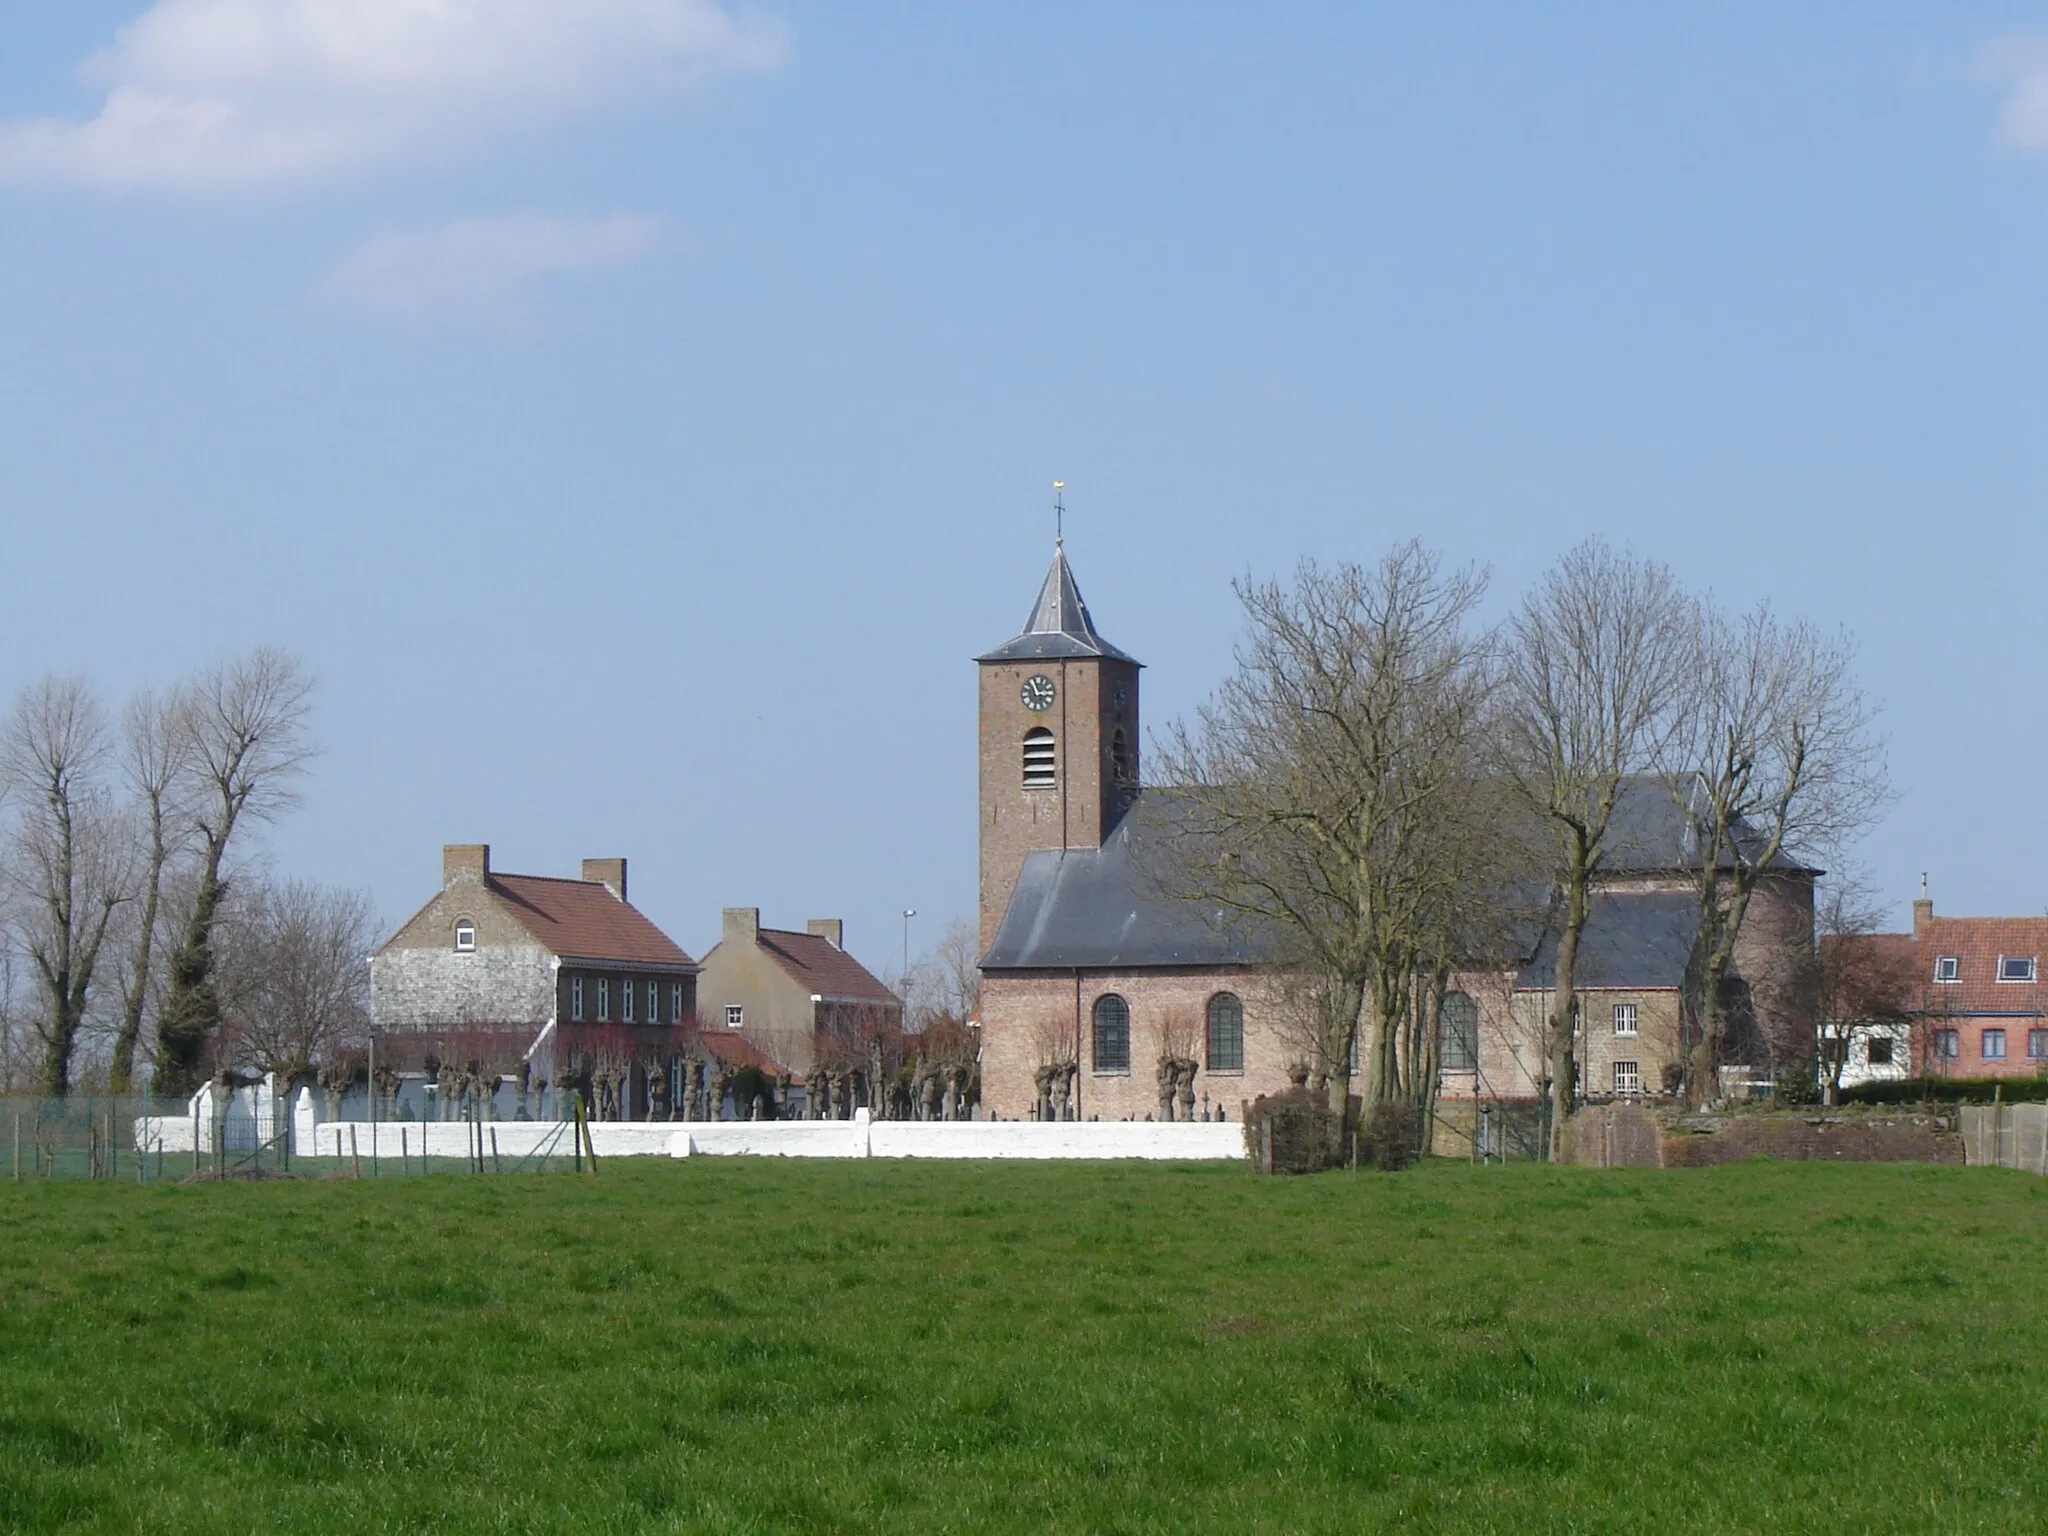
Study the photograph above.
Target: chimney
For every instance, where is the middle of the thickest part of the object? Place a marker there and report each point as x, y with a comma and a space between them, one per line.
611, 872
831, 929
465, 861
742, 924
1923, 912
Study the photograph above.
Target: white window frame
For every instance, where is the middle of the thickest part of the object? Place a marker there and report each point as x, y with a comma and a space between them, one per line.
1627, 1019
626, 996
1633, 1086
1948, 970
675, 1002
576, 999
2026, 960
465, 936
735, 1015
654, 1002
604, 1000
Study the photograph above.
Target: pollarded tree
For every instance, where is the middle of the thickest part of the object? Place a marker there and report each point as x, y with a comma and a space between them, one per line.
1325, 781
249, 745
1777, 756
1595, 665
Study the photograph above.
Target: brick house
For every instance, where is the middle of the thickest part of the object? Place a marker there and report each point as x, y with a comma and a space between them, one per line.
1978, 1008
787, 994
1090, 973
525, 970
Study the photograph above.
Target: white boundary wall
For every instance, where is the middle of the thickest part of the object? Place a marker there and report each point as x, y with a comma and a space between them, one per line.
1178, 1141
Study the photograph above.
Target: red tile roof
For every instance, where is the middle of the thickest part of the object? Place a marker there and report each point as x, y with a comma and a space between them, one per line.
735, 1050
822, 966
1976, 943
583, 920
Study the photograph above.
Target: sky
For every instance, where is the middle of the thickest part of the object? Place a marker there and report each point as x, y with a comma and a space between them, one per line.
639, 412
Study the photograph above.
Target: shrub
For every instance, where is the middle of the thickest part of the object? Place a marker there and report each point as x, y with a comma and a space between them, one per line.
1300, 1130
1947, 1090
1393, 1136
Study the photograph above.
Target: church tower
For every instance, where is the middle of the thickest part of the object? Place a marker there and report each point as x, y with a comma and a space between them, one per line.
1059, 739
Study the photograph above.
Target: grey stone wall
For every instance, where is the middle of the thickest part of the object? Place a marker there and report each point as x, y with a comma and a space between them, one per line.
434, 988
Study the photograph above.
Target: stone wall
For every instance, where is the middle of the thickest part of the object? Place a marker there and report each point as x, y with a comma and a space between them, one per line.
421, 988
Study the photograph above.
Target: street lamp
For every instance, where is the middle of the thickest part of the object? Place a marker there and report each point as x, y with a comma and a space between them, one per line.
908, 914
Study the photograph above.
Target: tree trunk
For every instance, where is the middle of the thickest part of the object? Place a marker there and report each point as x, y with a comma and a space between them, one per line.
1558, 1032
191, 1013
121, 1071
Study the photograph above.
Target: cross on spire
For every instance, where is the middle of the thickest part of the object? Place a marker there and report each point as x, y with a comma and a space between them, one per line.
1059, 514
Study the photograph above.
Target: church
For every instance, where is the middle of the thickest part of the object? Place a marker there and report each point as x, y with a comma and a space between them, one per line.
1106, 998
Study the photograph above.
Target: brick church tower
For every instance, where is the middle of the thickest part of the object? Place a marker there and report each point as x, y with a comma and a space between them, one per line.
1059, 739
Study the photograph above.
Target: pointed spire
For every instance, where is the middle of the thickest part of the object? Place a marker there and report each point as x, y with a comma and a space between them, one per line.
1060, 624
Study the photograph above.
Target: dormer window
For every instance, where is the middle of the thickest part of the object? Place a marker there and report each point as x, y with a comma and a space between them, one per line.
1041, 762
1946, 968
2015, 967
465, 936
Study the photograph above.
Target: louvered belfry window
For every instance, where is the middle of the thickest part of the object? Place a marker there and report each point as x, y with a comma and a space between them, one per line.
1041, 769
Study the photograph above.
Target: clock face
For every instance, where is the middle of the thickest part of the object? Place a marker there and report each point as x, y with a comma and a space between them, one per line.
1038, 692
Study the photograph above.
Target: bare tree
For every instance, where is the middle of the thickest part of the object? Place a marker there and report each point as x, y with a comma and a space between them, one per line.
249, 745
1595, 662
68, 858
945, 984
1861, 977
156, 752
1323, 777
1783, 759
293, 974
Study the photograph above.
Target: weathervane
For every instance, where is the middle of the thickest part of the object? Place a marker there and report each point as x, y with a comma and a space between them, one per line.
1059, 514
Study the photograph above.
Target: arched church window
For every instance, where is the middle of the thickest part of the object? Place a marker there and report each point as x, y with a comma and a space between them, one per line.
1121, 769
1112, 1034
1458, 1033
1226, 1033
1041, 770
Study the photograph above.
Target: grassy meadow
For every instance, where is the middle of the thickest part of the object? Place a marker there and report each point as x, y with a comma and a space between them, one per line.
751, 1345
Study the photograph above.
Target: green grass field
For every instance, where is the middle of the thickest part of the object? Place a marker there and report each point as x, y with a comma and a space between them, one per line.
729, 1345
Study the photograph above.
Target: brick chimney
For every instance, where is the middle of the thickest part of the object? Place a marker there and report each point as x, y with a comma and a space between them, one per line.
742, 924
1923, 913
465, 861
611, 872
831, 929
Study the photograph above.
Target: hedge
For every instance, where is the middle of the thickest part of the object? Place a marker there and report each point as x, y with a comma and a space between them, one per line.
1948, 1090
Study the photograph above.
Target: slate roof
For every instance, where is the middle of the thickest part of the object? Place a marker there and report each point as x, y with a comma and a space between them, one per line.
824, 968
583, 920
1099, 908
1649, 831
1059, 626
1633, 939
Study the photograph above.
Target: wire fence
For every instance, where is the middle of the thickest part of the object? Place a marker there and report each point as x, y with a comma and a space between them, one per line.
243, 1135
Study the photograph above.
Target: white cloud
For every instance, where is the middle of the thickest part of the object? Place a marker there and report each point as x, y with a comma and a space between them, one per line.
481, 274
2020, 64
243, 93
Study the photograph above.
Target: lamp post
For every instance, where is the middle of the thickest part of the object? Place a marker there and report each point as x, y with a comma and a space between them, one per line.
908, 914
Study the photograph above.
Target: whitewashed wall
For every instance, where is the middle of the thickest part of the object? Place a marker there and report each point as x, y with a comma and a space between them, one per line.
859, 1137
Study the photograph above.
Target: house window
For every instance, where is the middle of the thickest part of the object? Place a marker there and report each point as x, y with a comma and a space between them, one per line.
1948, 1044
1112, 1034
675, 1002
576, 998
1946, 967
2015, 967
1624, 1018
735, 1015
1226, 1033
2037, 1044
465, 936
1877, 1051
1992, 1045
654, 1002
1458, 1033
625, 1002
1040, 760
604, 998
1628, 1077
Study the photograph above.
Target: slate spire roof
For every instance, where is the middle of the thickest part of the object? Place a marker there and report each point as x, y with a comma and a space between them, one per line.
1060, 625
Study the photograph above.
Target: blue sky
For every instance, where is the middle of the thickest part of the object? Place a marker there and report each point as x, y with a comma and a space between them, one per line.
638, 412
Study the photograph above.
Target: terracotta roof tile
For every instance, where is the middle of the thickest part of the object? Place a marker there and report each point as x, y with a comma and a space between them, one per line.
583, 920
824, 967
1976, 943
736, 1050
